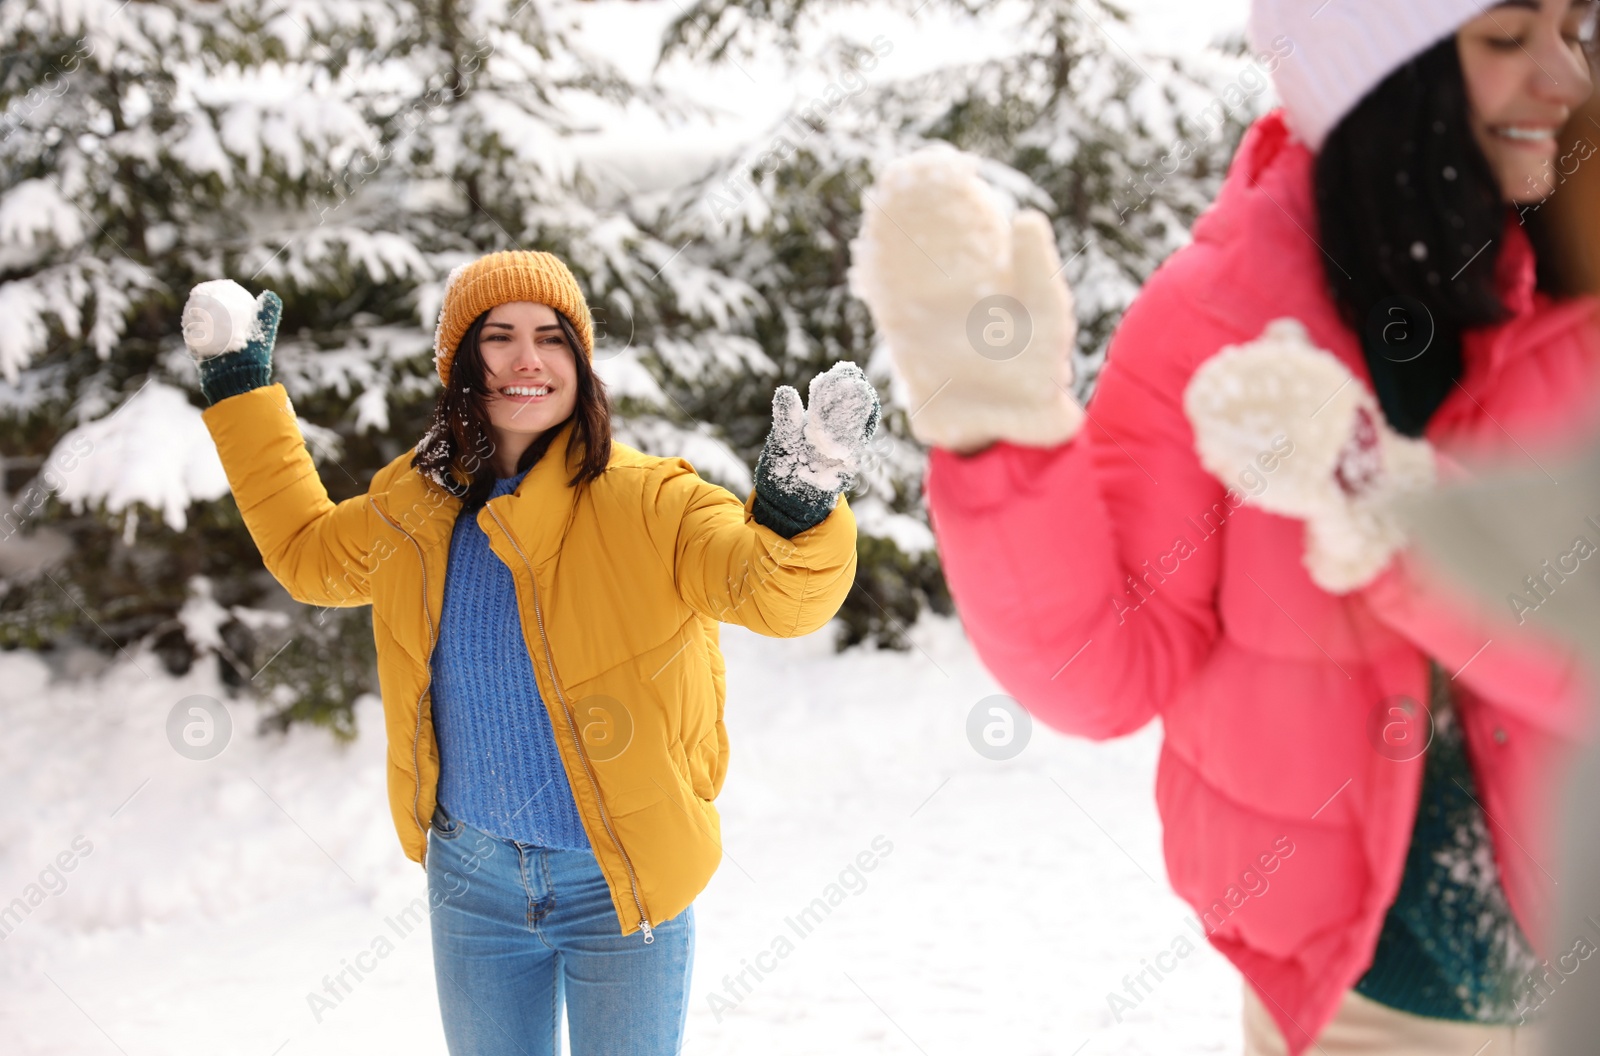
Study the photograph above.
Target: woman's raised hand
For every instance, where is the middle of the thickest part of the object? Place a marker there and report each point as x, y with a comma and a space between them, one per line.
231, 334
974, 310
812, 455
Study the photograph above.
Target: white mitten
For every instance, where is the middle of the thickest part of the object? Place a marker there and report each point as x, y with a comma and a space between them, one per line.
972, 306
1346, 463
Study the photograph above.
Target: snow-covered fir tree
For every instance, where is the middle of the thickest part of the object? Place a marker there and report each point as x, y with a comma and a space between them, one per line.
1121, 150
349, 155
346, 156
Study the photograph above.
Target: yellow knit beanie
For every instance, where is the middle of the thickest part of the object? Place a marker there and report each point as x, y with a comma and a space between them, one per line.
498, 278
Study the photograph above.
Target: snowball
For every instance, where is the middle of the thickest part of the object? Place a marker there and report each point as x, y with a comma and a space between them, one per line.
219, 317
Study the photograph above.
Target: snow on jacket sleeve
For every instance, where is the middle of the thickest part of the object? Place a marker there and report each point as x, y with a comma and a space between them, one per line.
318, 550
733, 569
1082, 572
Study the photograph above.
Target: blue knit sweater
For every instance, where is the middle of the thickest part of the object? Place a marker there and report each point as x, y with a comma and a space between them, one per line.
498, 766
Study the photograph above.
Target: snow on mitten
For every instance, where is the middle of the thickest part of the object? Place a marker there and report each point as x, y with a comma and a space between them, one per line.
230, 334
812, 456
1346, 464
971, 305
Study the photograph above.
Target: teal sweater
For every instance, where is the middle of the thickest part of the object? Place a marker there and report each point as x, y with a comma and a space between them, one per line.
1450, 948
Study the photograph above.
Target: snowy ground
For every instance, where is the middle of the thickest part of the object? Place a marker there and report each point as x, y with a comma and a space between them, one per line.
207, 898
215, 895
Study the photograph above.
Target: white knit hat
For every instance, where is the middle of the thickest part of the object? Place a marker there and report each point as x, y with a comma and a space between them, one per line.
1342, 49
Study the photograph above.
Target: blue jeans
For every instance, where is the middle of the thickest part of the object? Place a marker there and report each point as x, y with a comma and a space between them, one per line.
519, 929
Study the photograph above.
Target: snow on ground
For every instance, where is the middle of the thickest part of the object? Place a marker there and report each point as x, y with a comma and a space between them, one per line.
208, 897
192, 905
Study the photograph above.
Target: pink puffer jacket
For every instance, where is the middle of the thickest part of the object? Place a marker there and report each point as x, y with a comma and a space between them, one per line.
1112, 579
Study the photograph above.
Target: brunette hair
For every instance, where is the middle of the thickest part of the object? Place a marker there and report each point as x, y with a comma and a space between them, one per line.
1406, 200
459, 442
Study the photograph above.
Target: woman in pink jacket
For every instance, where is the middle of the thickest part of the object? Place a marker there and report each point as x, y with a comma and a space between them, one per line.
1358, 767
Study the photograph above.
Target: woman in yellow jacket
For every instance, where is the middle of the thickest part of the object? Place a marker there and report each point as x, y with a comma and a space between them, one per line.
545, 603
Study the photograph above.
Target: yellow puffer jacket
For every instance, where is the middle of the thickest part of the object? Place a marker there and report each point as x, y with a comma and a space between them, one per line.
621, 585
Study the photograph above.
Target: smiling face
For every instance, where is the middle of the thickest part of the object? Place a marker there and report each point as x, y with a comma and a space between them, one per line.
1526, 69
531, 372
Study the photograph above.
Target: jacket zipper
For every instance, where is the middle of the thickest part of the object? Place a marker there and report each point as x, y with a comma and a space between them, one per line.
572, 727
416, 736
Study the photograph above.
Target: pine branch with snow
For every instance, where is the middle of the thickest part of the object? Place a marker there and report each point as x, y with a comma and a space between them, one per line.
346, 156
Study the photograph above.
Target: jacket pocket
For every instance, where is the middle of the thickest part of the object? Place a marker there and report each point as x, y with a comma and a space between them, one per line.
680, 763
707, 765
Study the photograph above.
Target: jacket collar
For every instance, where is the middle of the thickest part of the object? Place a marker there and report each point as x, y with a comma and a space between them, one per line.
536, 514
1264, 222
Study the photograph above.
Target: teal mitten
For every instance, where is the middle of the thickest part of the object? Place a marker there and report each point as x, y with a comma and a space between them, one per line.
811, 456
231, 334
